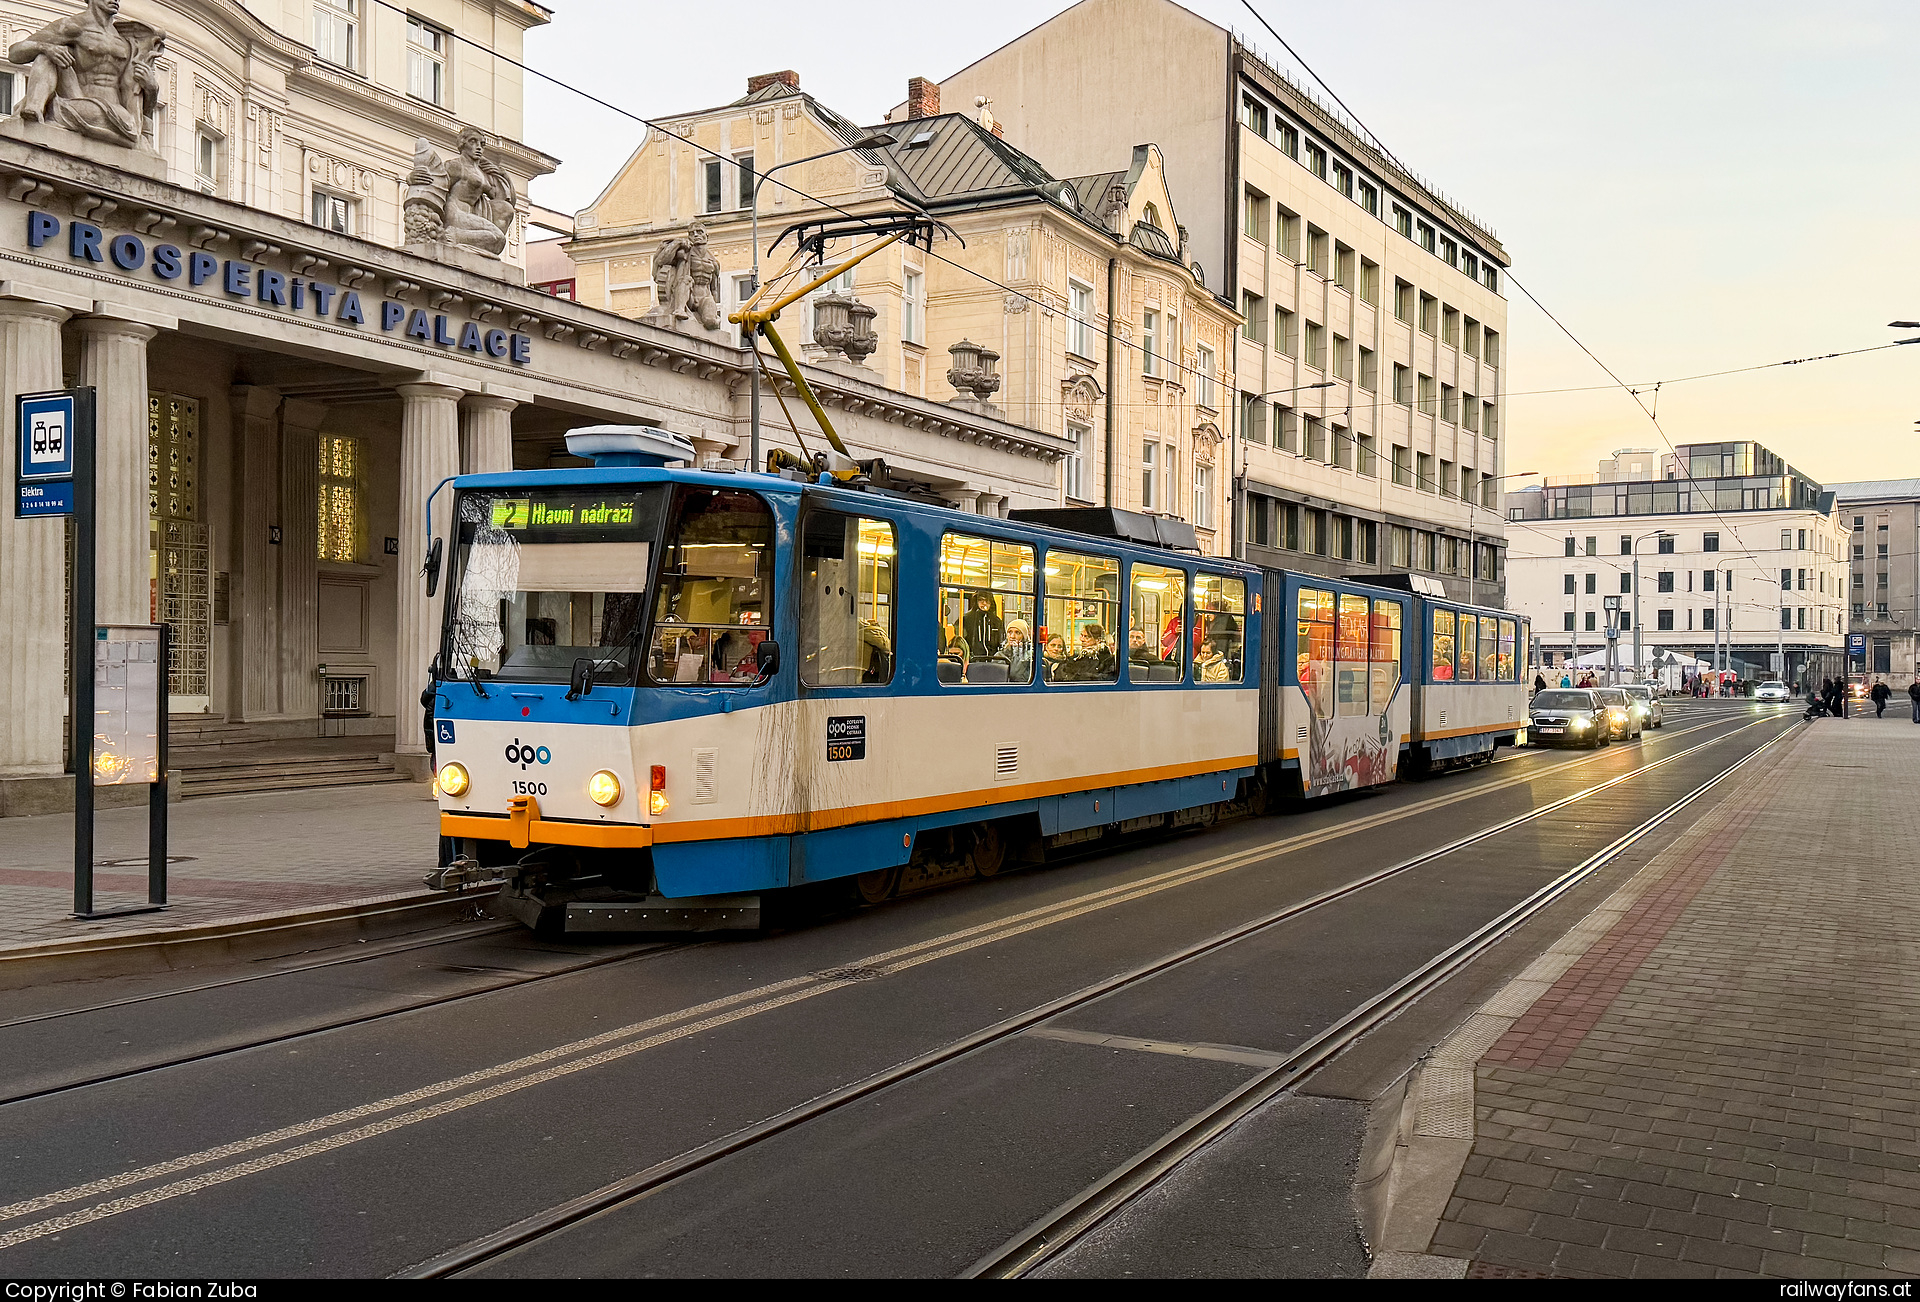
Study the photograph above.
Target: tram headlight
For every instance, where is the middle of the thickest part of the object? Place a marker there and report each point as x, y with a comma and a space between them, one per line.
657, 797
453, 780
603, 788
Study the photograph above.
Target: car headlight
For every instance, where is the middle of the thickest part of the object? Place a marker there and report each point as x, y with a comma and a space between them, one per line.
603, 789
452, 780
1576, 724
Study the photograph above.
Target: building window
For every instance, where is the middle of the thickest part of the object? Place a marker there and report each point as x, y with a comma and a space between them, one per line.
1080, 319
1709, 542
1286, 429
1285, 332
1427, 239
1492, 348
1423, 469
1425, 394
426, 61
1343, 267
332, 213
1593, 584
340, 505
1369, 282
913, 307
1448, 404
1253, 418
1149, 481
7, 86
1366, 466
1369, 370
1403, 301
556, 288
1489, 425
1593, 545
336, 29
1566, 621
1403, 384
713, 190
1490, 277
1316, 346
1342, 358
1254, 114
1286, 138
1254, 308
1449, 326
1203, 381
209, 159
1429, 314
1471, 346
1626, 584
1370, 197
1663, 620
1343, 179
1317, 160
1664, 580
1402, 468
1664, 544
1203, 497
1568, 585
1626, 544
743, 168
1317, 251
1286, 234
1256, 215
1570, 545
1149, 340
1470, 412
1315, 446
1449, 251
1081, 436
1590, 621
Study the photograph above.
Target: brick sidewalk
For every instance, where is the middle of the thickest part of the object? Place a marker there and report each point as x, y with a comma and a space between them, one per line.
244, 856
1727, 1081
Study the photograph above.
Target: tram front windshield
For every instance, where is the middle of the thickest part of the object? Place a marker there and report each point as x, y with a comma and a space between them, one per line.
549, 576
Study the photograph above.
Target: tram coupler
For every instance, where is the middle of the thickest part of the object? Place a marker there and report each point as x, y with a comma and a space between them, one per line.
462, 873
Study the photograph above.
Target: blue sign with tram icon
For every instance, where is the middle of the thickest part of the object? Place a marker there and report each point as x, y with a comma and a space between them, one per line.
44, 430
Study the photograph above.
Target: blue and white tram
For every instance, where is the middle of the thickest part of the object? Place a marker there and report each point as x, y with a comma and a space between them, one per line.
1470, 694
662, 694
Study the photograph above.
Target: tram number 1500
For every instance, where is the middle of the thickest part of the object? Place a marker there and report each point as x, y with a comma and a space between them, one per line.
529, 788
846, 737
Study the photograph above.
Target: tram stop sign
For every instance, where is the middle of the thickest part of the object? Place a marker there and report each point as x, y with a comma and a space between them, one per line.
1857, 644
44, 425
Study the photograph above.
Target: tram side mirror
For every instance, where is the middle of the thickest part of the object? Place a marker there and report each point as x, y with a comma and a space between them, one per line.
581, 683
432, 568
766, 658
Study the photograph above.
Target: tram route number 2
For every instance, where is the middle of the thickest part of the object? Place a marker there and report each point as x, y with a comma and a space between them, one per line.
846, 737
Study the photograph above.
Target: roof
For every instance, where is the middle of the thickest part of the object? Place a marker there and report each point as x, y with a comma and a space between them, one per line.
1876, 490
951, 155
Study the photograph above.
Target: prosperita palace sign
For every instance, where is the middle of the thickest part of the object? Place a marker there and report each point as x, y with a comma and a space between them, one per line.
243, 281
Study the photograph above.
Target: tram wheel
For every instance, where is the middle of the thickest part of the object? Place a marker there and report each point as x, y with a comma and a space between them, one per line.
989, 854
877, 886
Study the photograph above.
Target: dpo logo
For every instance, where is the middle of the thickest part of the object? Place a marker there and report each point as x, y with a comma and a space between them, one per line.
525, 755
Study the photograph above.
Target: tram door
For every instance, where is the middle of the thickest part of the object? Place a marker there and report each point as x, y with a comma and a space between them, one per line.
1349, 674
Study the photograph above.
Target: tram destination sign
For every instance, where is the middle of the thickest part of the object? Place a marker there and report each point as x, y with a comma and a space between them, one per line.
246, 282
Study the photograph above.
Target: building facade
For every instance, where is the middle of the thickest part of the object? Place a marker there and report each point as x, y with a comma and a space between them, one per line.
280, 400
1026, 280
1369, 422
1741, 563
1883, 582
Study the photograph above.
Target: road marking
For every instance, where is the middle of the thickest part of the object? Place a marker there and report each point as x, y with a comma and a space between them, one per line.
783, 993
1174, 1048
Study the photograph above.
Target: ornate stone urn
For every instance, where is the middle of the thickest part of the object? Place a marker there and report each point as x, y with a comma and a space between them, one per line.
972, 374
843, 324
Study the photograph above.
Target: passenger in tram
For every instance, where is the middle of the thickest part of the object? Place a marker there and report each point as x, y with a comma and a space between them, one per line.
1138, 652
1019, 652
1093, 661
1055, 656
1170, 637
1210, 665
982, 626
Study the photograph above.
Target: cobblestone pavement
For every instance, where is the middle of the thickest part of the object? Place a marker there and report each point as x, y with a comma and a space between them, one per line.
1728, 1081
239, 856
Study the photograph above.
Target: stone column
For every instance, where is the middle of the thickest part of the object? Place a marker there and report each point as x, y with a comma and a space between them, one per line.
113, 359
33, 636
300, 557
967, 499
486, 434
254, 589
429, 452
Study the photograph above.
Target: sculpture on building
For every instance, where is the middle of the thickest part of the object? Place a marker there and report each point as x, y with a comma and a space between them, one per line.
92, 73
465, 201
842, 323
1113, 210
686, 282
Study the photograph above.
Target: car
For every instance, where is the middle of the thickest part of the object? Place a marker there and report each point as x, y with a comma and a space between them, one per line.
1858, 689
1562, 716
1646, 705
1621, 718
1773, 691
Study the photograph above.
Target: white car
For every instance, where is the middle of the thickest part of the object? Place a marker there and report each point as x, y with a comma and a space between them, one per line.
1772, 691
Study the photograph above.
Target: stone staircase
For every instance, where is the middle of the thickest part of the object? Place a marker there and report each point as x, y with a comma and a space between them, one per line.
217, 758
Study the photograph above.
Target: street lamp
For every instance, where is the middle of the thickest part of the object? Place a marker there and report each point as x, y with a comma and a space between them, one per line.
1638, 660
878, 140
1473, 542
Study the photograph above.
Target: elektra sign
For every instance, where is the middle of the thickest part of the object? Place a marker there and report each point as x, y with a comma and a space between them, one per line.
242, 280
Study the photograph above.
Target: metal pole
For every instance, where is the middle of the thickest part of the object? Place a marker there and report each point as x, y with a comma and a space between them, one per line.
753, 332
80, 638
1639, 662
157, 791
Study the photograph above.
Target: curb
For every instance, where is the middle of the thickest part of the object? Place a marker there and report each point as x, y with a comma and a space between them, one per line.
1420, 1132
168, 948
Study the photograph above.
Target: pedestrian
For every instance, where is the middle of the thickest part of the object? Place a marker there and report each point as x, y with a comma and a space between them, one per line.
1565, 679
1913, 692
1881, 694
1539, 684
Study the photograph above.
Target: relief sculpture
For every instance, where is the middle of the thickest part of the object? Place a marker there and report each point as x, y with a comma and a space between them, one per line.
93, 73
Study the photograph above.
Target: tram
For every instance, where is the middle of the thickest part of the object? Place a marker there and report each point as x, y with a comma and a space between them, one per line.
663, 694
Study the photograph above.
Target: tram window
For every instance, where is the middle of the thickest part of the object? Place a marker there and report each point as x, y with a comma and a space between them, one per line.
1315, 652
1219, 628
1442, 646
1386, 653
1489, 648
847, 584
1506, 651
1469, 643
1083, 609
1352, 654
986, 610
1157, 625
1520, 646
712, 609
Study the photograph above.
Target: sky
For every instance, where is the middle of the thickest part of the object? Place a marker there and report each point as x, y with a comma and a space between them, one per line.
1688, 187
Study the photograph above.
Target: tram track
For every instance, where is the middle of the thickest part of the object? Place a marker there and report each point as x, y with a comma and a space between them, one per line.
1057, 911
1046, 1237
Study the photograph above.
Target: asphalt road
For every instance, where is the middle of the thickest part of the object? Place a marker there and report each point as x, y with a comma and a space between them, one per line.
362, 1117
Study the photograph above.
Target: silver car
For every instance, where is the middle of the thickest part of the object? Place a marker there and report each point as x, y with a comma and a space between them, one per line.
1646, 706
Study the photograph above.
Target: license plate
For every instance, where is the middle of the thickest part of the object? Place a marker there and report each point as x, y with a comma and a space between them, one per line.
1549, 732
